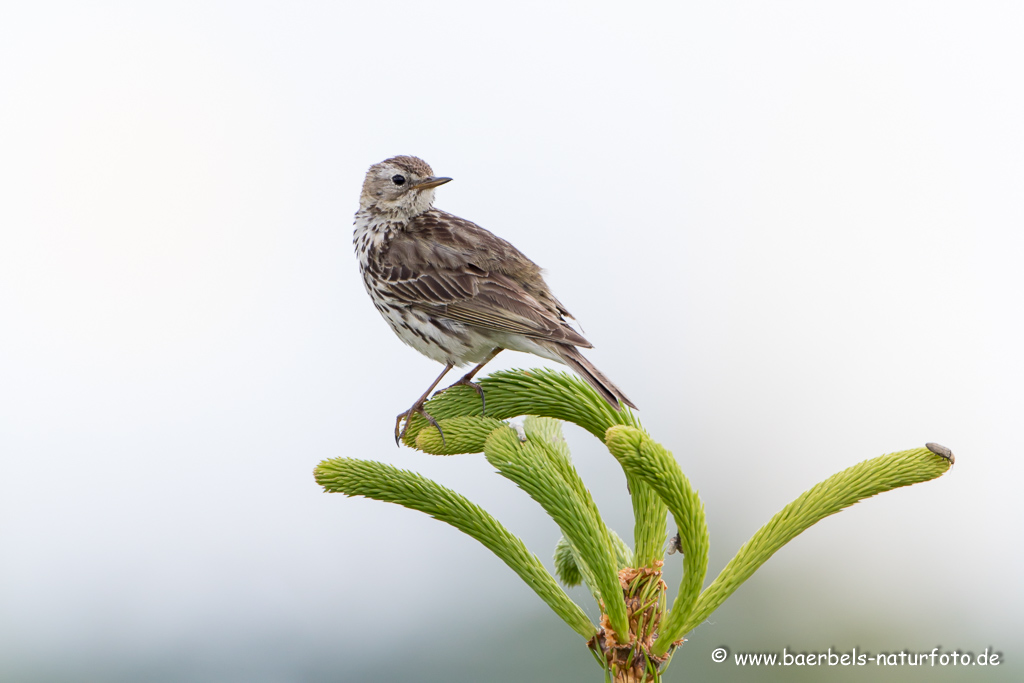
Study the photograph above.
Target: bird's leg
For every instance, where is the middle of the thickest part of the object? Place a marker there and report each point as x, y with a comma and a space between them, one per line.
417, 407
467, 379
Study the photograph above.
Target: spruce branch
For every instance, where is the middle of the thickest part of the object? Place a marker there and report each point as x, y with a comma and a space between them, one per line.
637, 635
649, 518
462, 434
569, 568
567, 565
539, 467
839, 491
645, 459
511, 393
382, 482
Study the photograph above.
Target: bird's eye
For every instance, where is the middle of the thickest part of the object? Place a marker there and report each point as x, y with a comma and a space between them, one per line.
398, 179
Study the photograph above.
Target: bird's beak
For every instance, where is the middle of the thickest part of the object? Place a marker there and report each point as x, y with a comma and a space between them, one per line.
430, 182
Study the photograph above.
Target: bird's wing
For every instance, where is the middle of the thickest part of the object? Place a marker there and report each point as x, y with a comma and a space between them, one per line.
447, 274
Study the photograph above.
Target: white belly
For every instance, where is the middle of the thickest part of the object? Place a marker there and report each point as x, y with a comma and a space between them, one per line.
441, 339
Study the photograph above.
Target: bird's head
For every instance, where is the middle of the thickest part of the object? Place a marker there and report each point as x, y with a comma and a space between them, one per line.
401, 187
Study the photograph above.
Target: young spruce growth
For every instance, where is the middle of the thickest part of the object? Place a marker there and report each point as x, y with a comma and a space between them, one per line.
638, 632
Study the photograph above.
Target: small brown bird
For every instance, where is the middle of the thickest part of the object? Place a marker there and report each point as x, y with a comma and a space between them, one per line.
452, 290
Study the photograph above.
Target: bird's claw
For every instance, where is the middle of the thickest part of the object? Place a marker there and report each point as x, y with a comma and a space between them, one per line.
418, 408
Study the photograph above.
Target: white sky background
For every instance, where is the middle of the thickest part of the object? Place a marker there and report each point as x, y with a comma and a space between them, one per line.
793, 232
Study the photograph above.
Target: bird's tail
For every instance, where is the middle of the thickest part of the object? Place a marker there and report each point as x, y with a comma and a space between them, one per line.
595, 378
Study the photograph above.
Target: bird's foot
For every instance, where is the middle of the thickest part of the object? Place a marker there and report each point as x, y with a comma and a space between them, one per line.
418, 408
467, 381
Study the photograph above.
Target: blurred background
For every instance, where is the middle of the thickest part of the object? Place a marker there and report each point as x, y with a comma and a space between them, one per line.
793, 232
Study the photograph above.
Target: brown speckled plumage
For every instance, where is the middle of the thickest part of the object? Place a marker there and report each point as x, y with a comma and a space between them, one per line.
454, 291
